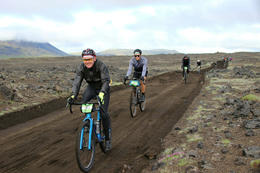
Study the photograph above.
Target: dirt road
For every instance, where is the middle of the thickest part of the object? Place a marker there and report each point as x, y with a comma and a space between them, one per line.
46, 144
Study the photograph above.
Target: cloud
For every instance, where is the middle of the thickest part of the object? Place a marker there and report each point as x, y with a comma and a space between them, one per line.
184, 25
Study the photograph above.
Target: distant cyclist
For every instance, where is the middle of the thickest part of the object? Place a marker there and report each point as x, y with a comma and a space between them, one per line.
198, 63
96, 74
185, 63
139, 63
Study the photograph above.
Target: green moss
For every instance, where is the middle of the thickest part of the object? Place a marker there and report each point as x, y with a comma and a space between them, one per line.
255, 164
225, 142
183, 162
194, 138
194, 117
168, 151
251, 97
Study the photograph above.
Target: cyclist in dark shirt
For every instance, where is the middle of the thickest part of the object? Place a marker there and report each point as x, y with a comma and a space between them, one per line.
97, 76
185, 63
198, 63
139, 63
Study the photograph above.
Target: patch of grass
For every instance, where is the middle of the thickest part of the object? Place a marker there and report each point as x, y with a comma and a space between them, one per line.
225, 142
209, 124
185, 130
255, 164
194, 138
167, 151
220, 129
3, 112
220, 99
194, 116
251, 97
183, 162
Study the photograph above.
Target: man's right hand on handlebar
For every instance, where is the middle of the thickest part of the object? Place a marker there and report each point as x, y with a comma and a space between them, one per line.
125, 78
71, 99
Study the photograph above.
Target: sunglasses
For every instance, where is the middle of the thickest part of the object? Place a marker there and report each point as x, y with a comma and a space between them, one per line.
137, 55
88, 60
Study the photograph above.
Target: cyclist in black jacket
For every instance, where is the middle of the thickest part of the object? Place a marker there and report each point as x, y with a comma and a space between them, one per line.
97, 76
185, 63
198, 63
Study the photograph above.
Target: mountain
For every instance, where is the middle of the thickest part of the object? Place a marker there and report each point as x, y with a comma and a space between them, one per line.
17, 49
118, 52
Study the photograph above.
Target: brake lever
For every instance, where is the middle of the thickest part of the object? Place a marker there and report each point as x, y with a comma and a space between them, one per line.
70, 107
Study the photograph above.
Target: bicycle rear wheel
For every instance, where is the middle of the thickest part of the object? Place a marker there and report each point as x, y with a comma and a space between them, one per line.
142, 105
102, 143
185, 77
133, 103
84, 155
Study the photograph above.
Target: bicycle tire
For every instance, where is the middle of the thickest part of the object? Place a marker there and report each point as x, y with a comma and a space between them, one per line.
142, 105
133, 104
85, 166
185, 77
102, 143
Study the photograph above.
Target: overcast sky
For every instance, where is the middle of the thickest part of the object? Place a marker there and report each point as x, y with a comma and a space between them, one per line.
188, 26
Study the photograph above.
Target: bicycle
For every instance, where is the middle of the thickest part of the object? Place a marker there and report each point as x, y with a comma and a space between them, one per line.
185, 74
199, 68
89, 128
135, 97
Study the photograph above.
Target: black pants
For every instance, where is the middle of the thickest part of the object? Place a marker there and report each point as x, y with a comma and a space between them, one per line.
90, 93
188, 70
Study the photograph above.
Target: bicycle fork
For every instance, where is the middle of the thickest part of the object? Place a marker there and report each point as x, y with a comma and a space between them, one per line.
135, 98
88, 118
91, 126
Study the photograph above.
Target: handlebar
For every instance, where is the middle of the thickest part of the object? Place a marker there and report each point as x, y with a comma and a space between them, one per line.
93, 101
132, 79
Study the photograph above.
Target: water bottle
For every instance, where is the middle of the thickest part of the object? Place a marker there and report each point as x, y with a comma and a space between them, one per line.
97, 126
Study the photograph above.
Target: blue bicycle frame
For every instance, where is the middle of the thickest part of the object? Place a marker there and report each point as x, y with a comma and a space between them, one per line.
98, 135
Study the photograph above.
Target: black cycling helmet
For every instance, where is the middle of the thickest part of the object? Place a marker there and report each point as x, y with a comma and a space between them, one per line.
88, 52
138, 50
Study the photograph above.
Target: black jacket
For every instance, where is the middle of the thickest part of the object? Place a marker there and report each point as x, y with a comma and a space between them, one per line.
186, 62
97, 76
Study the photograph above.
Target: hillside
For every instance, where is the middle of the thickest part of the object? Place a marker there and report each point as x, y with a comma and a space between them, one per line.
17, 49
118, 52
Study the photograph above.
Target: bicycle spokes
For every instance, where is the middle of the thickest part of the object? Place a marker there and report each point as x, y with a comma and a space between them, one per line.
85, 148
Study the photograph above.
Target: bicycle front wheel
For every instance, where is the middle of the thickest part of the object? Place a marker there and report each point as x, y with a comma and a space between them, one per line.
185, 77
133, 104
84, 154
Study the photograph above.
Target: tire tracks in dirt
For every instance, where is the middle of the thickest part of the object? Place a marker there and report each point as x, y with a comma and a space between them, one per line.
46, 144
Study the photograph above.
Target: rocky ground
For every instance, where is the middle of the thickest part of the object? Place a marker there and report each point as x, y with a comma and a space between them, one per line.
32, 81
220, 132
